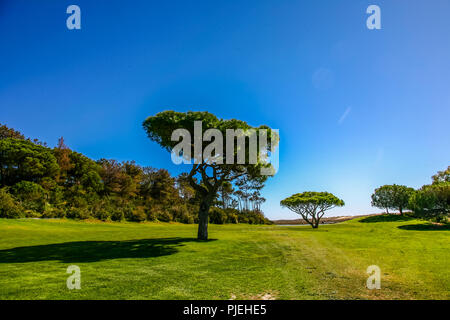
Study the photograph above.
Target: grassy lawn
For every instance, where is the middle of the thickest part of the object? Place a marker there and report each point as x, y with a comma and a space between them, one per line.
164, 261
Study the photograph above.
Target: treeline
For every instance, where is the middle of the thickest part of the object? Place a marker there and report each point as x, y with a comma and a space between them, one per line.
38, 181
430, 202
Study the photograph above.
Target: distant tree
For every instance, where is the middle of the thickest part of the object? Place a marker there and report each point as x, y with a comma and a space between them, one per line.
442, 176
114, 178
62, 154
431, 201
6, 132
211, 173
185, 189
162, 186
24, 160
225, 192
146, 182
248, 191
84, 174
312, 205
395, 197
234, 204
256, 200
134, 175
382, 198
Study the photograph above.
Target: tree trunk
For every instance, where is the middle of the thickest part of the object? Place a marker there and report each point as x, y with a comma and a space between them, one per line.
401, 211
316, 223
203, 220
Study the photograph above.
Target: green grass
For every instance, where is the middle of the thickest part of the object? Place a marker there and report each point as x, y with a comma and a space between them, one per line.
164, 261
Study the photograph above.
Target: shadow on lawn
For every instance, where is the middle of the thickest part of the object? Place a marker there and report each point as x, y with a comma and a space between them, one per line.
91, 251
426, 227
386, 218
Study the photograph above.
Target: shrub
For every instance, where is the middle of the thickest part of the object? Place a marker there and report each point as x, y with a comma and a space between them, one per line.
102, 214
242, 218
217, 215
31, 195
32, 214
78, 213
135, 214
164, 216
8, 206
232, 218
188, 219
431, 201
232, 215
53, 212
151, 215
117, 214
180, 213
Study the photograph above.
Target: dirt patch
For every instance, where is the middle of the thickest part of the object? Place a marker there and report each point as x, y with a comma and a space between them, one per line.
261, 296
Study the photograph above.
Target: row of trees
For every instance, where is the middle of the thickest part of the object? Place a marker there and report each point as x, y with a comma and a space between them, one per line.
429, 202
38, 181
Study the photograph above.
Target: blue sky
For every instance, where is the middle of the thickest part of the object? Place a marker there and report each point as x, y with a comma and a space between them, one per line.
356, 108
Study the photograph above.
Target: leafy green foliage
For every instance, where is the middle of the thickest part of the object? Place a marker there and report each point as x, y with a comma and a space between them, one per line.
312, 205
54, 183
8, 206
30, 195
24, 160
217, 215
429, 202
207, 176
432, 201
79, 213
395, 197
6, 133
442, 176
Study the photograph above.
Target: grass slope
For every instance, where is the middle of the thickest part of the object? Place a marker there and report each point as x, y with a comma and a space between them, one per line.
163, 261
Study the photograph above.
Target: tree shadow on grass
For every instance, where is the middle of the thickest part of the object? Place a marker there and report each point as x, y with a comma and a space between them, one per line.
386, 218
92, 251
426, 227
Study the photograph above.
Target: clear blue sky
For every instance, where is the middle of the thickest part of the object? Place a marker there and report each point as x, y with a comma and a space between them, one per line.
356, 108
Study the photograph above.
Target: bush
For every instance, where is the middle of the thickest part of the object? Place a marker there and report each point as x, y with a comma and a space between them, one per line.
242, 218
32, 214
8, 206
78, 213
135, 214
431, 201
217, 215
232, 215
151, 215
53, 212
102, 214
117, 214
252, 217
30, 194
188, 219
180, 213
164, 216
232, 218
